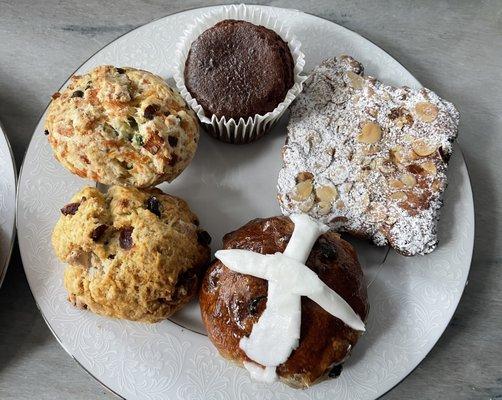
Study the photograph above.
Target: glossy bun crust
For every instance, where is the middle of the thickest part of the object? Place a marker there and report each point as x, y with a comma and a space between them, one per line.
231, 302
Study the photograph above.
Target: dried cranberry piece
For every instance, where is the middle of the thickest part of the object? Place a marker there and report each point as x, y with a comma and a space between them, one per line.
153, 205
203, 238
150, 111
77, 93
125, 237
98, 232
70, 209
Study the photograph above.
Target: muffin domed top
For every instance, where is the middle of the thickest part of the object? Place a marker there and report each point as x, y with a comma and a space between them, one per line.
238, 69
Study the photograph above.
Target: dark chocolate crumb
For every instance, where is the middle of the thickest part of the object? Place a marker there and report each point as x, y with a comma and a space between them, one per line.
46, 132
173, 141
70, 209
121, 70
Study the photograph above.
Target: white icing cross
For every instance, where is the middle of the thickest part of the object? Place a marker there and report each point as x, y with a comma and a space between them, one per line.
277, 332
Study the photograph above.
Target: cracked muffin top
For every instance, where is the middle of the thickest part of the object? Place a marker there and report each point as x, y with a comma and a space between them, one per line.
131, 253
121, 126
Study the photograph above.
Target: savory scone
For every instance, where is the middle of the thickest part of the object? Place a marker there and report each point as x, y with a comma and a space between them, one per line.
368, 158
232, 303
121, 126
131, 253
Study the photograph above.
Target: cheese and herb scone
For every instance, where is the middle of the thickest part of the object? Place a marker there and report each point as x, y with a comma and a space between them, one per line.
121, 126
368, 158
132, 253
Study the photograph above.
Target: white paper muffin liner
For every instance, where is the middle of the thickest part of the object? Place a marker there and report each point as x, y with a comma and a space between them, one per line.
242, 130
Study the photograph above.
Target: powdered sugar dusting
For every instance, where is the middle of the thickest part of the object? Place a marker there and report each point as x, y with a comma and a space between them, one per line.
368, 158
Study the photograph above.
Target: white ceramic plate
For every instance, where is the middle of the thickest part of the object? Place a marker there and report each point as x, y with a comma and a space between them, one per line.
7, 202
412, 299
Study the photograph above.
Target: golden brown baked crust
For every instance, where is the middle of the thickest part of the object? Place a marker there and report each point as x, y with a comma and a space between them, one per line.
133, 254
121, 126
231, 302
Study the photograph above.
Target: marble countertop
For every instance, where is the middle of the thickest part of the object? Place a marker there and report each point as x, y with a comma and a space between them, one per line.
453, 47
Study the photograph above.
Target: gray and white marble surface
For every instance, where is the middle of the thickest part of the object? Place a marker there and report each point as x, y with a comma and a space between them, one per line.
453, 47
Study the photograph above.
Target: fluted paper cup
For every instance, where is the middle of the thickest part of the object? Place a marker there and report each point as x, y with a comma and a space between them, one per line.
240, 130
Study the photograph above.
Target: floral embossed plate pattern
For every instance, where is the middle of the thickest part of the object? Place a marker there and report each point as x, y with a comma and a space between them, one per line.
7, 203
412, 299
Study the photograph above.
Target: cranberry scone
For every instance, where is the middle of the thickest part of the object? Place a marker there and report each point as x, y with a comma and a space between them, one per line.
131, 253
368, 158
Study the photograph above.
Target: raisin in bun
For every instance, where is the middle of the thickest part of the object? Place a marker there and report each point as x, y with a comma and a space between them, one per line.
231, 302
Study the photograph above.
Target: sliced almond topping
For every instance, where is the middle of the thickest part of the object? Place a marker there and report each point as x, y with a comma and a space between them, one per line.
377, 212
399, 196
326, 193
370, 133
303, 176
324, 207
355, 81
409, 180
422, 148
426, 111
371, 149
307, 205
437, 185
302, 190
396, 184
397, 155
430, 168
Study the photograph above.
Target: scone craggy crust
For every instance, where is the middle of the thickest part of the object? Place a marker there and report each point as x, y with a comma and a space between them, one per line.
121, 126
133, 254
231, 302
368, 158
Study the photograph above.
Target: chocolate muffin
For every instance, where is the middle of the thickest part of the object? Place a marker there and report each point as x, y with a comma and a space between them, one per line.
237, 69
231, 303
